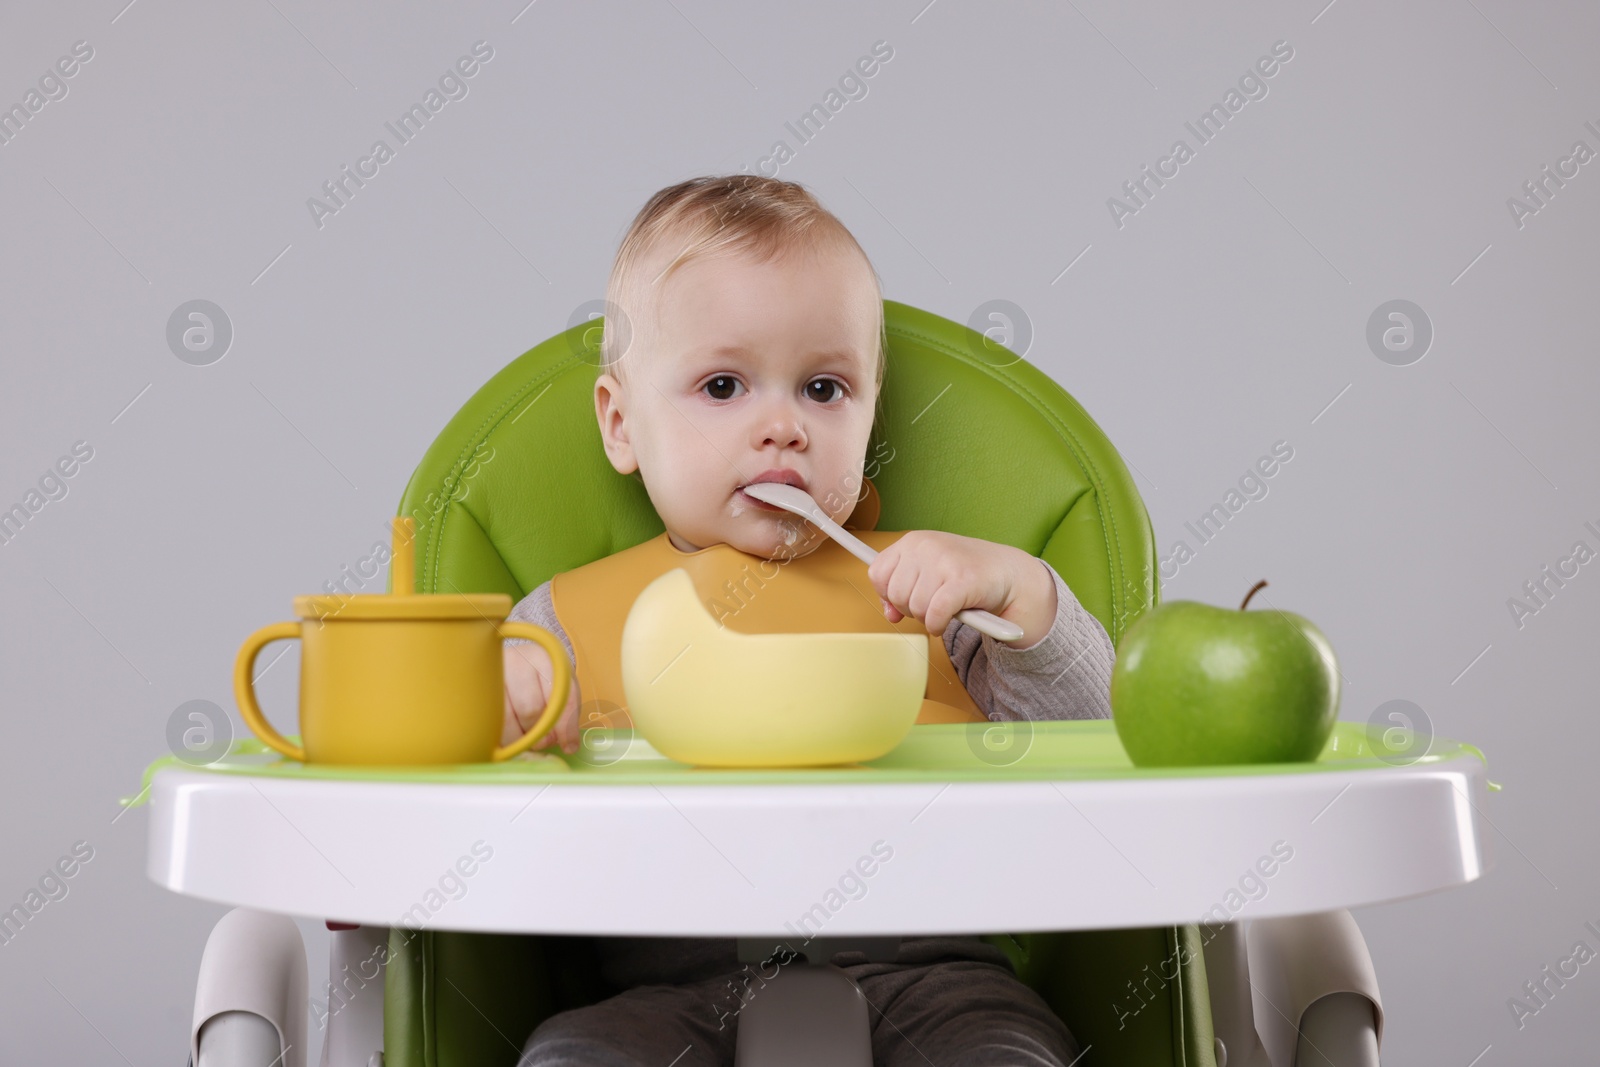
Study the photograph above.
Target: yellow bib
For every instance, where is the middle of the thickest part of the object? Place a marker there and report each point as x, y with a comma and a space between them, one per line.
826, 590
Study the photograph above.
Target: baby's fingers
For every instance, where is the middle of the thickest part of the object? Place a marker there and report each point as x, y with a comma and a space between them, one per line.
568, 728
566, 731
899, 591
943, 606
882, 570
552, 735
529, 703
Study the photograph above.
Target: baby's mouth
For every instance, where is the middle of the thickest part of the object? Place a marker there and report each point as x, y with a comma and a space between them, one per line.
750, 501
779, 475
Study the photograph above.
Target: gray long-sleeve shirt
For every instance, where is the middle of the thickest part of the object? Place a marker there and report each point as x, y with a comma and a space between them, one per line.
1066, 675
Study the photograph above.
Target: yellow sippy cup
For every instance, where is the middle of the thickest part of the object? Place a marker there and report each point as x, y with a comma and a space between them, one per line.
400, 678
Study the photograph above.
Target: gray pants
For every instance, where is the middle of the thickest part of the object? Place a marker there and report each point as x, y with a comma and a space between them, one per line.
945, 1001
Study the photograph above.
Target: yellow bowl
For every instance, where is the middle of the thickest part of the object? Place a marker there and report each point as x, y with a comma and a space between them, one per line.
704, 694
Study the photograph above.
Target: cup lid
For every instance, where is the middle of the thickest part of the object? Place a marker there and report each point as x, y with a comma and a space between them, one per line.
491, 607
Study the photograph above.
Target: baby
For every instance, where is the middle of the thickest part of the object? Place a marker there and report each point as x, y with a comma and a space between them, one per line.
745, 343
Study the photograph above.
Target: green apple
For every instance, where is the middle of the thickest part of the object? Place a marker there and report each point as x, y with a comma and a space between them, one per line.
1196, 684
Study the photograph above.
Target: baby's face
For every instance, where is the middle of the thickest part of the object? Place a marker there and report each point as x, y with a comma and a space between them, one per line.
752, 368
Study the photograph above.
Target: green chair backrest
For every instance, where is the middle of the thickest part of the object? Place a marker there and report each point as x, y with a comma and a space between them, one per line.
969, 439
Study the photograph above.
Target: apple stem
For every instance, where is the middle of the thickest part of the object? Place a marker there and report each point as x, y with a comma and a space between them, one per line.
1259, 585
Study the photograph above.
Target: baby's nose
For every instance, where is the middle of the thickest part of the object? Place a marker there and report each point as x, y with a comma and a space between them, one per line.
784, 429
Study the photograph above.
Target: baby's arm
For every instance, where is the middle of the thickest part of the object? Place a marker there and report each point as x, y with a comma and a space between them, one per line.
528, 671
1067, 675
1059, 669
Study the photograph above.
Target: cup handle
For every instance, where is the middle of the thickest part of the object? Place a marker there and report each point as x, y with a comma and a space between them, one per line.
244, 690
560, 685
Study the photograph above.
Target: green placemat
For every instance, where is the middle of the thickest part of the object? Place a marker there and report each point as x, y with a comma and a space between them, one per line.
949, 752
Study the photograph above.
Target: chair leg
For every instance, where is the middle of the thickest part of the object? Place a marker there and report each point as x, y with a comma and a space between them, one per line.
1309, 973
810, 1013
356, 959
1228, 979
254, 963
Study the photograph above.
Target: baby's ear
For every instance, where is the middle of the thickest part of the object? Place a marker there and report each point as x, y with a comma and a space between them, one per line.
620, 453
609, 404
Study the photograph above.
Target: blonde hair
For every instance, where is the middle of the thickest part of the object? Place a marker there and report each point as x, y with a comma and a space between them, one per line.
719, 215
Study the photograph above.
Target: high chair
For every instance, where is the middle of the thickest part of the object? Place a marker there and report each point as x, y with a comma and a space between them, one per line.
970, 439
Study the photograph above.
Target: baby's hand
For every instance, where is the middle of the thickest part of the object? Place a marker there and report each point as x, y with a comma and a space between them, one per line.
528, 671
931, 575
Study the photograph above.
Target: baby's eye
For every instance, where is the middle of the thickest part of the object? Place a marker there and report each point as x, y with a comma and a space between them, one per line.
721, 387
824, 390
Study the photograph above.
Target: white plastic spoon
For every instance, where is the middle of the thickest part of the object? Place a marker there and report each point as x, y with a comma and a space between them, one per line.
792, 498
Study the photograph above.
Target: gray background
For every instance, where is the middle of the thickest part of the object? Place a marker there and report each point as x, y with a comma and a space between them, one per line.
1229, 313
